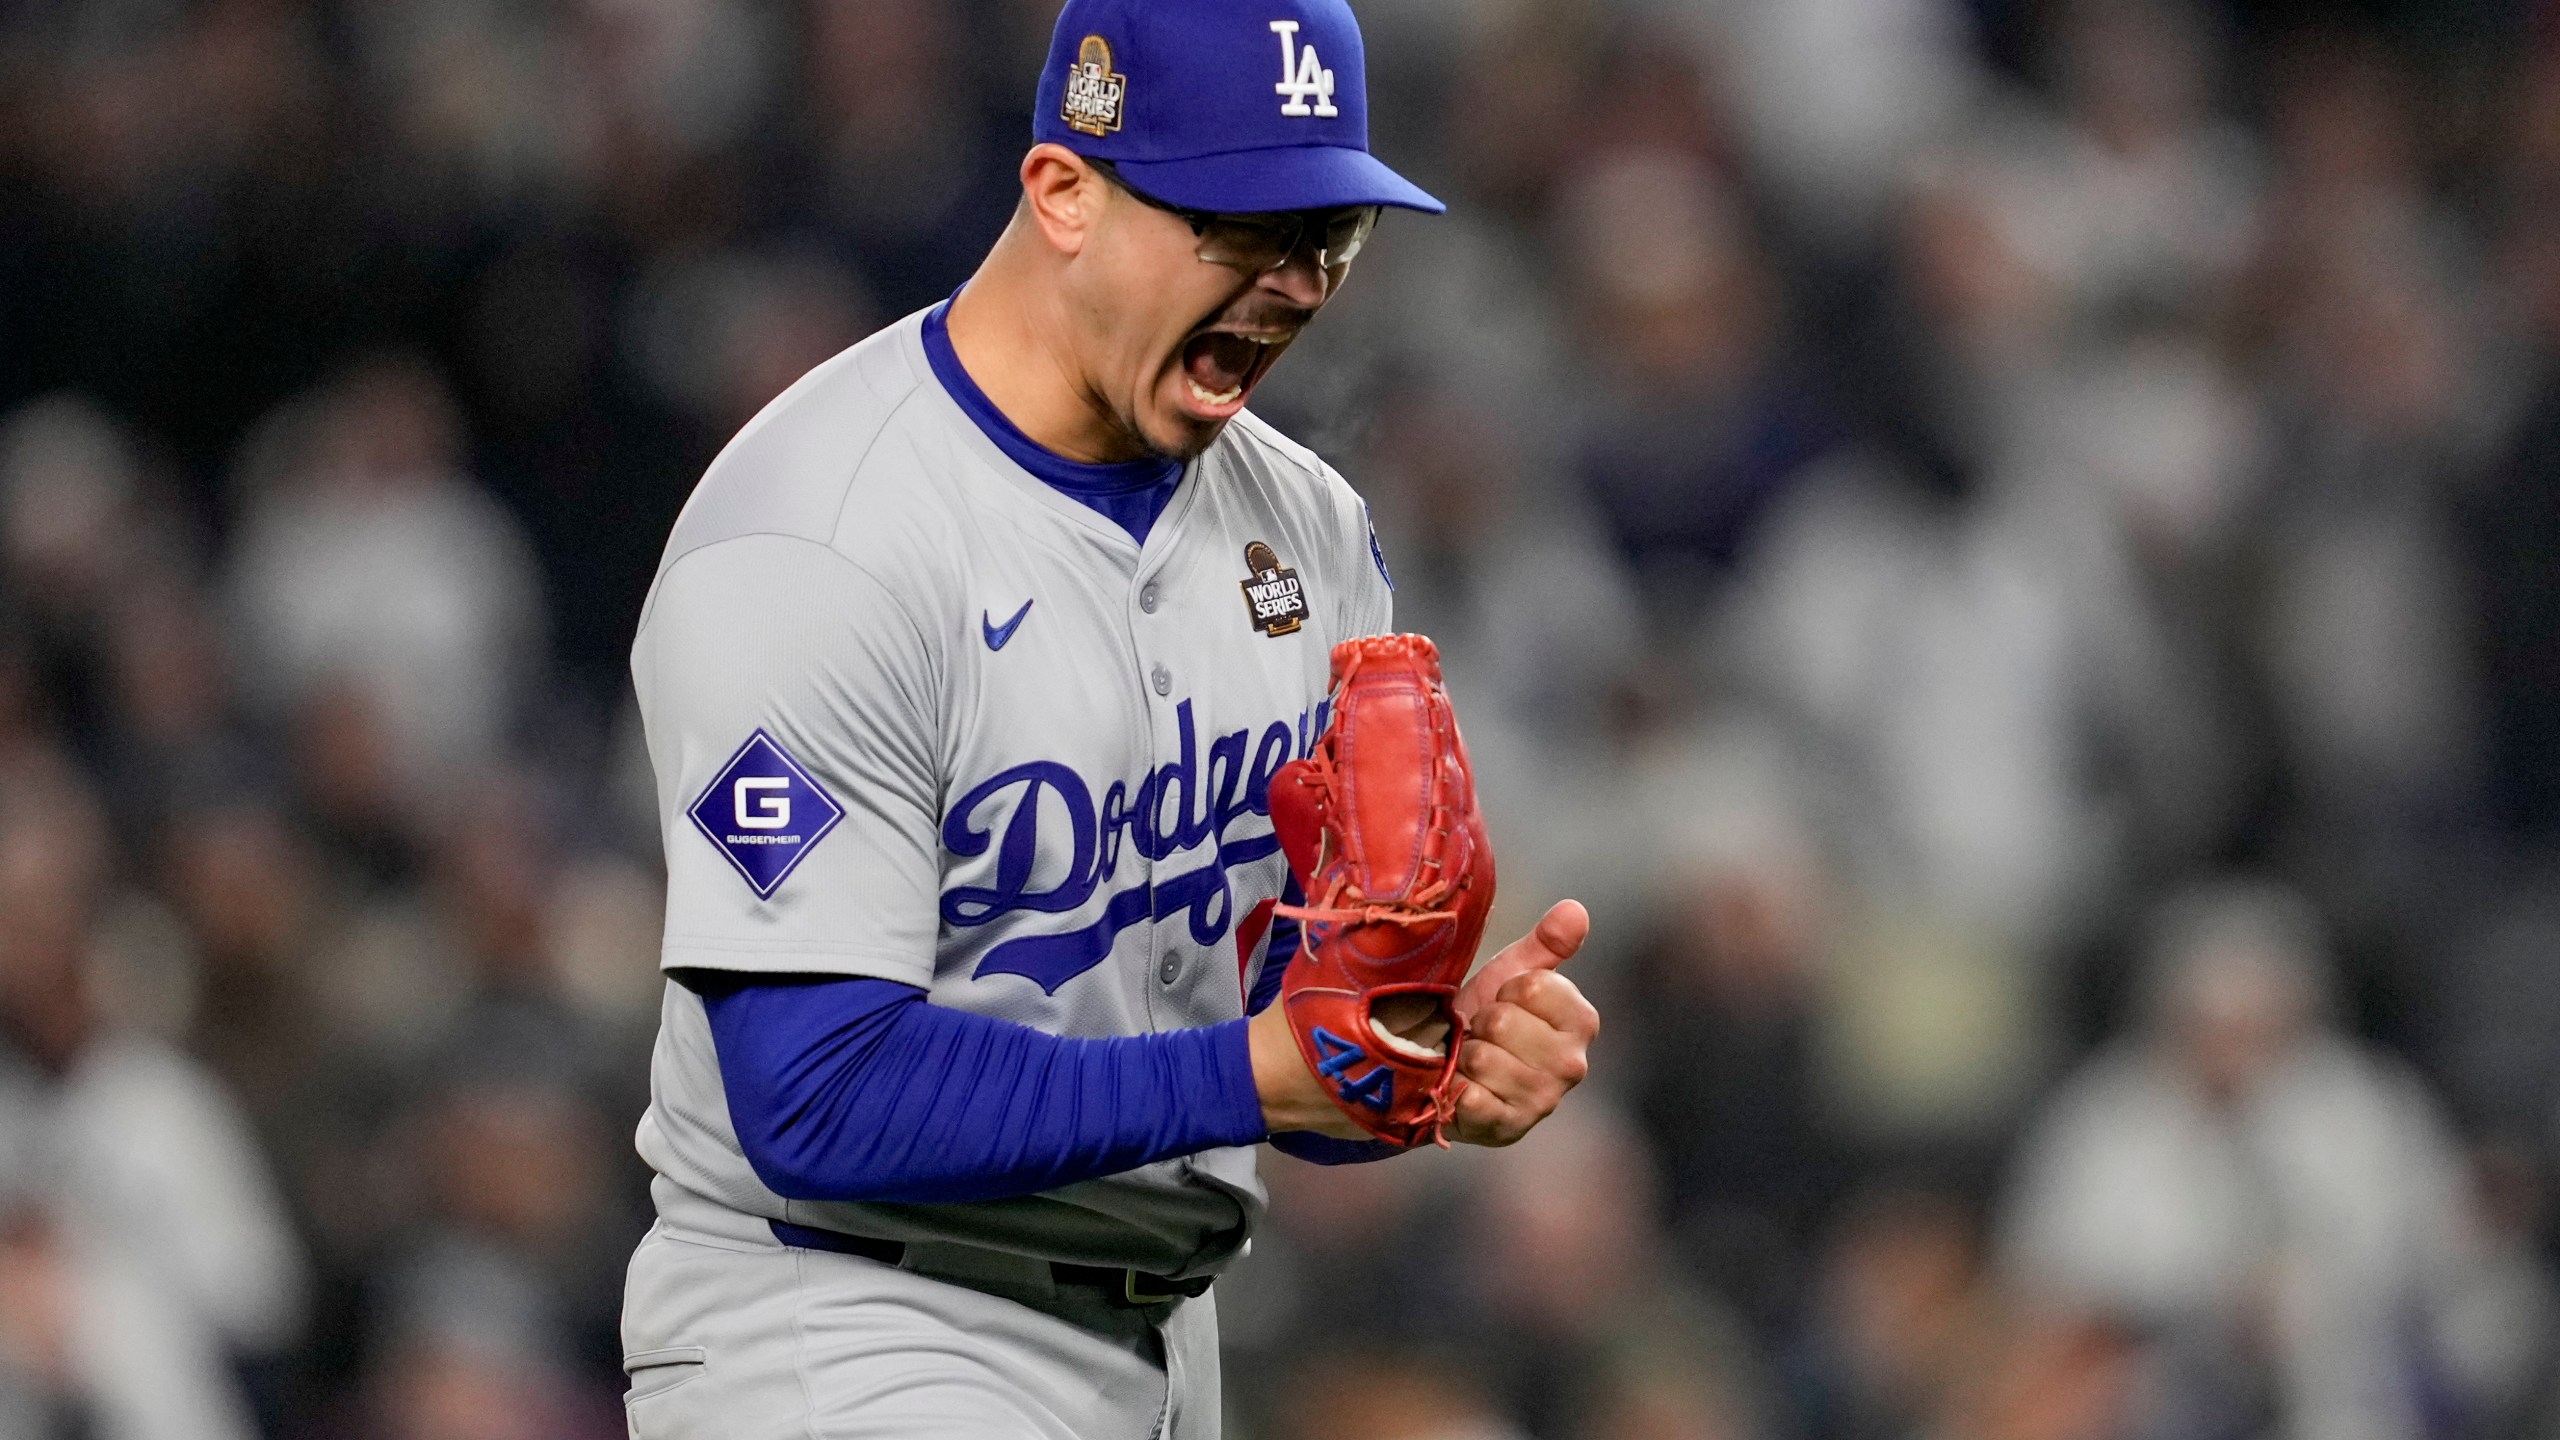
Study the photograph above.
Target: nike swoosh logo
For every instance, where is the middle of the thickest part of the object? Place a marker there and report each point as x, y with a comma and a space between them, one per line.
997, 634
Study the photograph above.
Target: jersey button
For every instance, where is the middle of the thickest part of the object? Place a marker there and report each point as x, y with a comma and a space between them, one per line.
1164, 680
1147, 598
1171, 969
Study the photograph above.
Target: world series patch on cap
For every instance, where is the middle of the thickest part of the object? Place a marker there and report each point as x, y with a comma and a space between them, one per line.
1094, 90
1216, 105
765, 813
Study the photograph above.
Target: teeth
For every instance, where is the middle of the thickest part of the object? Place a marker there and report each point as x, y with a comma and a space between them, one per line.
1215, 398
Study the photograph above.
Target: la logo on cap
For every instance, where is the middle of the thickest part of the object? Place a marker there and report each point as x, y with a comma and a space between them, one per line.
1095, 91
1302, 76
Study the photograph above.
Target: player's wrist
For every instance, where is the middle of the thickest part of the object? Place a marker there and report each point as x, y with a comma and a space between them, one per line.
1291, 1099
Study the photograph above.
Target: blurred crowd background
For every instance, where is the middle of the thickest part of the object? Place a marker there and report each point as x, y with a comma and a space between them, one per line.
2006, 548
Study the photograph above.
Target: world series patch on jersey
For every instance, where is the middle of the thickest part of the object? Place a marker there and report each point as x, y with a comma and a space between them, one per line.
1275, 594
919, 716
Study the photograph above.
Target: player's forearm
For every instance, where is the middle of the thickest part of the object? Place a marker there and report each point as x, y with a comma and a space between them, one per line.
1304, 1122
1291, 1099
861, 1090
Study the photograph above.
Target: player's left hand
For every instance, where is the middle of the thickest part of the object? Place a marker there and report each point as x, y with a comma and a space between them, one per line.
1529, 1032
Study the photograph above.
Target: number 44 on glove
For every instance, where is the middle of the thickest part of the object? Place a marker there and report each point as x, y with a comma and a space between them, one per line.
1381, 828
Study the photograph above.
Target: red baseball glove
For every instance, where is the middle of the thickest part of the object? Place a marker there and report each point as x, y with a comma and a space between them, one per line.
1381, 828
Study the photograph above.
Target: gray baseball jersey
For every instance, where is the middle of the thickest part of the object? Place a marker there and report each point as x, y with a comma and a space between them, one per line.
917, 715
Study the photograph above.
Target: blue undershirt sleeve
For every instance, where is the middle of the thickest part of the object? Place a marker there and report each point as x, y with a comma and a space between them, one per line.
859, 1089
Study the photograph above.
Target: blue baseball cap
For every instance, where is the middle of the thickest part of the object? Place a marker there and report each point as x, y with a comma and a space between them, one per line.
1220, 104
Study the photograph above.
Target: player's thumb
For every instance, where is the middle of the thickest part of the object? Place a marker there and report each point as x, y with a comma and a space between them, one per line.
1559, 935
1557, 938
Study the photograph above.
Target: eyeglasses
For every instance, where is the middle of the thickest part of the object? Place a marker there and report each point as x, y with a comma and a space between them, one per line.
1262, 242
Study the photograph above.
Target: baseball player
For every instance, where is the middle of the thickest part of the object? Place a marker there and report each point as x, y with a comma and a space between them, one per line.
966, 676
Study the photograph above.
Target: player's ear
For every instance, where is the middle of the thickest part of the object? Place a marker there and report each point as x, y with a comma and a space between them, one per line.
1062, 195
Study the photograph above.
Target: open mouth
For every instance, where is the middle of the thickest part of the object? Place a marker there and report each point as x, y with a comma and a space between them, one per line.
1220, 366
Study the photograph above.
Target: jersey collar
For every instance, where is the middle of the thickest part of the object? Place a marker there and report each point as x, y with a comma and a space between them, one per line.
1076, 477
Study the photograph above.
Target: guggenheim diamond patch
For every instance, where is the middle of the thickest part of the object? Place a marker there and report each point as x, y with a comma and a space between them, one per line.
765, 813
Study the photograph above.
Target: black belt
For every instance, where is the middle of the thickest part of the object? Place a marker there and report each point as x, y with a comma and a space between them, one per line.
1134, 1289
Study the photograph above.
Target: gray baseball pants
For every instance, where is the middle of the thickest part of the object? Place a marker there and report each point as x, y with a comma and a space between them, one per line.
729, 1334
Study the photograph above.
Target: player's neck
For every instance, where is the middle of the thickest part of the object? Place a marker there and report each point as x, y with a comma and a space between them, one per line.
1008, 332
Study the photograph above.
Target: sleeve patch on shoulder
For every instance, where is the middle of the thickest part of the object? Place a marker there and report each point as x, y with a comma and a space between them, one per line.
765, 813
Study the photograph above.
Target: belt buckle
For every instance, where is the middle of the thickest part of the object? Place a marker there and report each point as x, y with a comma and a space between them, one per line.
1175, 1289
